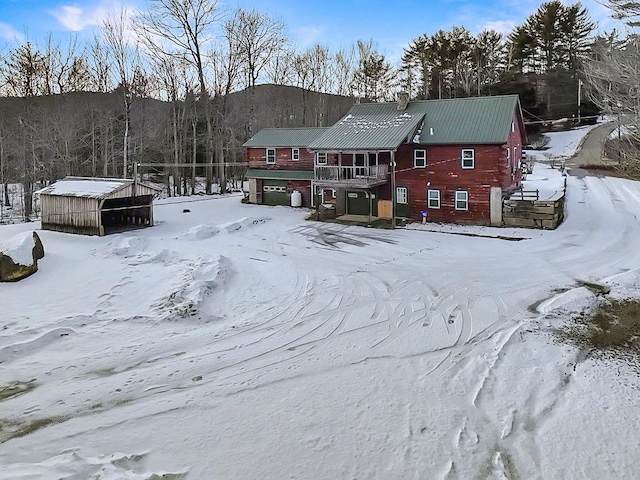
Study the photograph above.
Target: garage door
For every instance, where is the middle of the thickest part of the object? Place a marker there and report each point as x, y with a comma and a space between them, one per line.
274, 192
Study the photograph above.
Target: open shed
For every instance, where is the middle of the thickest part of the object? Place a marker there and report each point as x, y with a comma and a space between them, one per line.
96, 206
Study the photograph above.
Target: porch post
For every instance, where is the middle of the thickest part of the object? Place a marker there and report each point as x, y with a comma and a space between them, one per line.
393, 189
370, 208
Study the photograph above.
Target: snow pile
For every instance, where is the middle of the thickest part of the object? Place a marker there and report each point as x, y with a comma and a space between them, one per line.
191, 285
70, 465
126, 246
201, 232
19, 248
249, 222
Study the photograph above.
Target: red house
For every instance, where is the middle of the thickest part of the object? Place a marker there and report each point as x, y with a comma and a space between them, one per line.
279, 164
449, 159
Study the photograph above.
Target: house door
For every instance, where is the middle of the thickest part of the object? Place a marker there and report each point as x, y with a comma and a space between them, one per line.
402, 202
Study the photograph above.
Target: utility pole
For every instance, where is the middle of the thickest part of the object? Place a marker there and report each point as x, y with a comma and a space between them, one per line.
579, 98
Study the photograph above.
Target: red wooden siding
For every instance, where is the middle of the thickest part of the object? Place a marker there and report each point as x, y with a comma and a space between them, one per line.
304, 187
513, 175
256, 157
444, 172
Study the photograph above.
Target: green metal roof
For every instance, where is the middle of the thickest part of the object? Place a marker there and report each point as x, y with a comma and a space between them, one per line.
370, 126
271, 174
381, 126
484, 120
284, 137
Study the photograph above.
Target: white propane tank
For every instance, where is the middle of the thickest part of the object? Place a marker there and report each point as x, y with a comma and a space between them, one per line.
296, 199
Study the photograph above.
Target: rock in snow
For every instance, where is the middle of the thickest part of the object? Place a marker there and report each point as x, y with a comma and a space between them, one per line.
19, 256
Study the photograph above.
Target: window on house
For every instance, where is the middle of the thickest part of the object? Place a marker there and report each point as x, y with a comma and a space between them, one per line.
271, 155
402, 195
468, 157
295, 154
419, 159
516, 159
513, 126
509, 158
461, 200
321, 158
433, 198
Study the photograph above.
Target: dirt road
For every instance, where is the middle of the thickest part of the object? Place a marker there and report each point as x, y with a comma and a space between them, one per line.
590, 153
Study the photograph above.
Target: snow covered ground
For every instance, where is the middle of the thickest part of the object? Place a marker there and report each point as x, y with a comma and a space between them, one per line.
241, 341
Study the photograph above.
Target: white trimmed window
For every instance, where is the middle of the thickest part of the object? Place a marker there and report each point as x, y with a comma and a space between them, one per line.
295, 154
402, 195
433, 198
321, 158
468, 157
270, 155
461, 200
419, 159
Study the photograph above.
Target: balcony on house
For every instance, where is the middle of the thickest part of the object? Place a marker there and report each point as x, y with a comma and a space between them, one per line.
351, 175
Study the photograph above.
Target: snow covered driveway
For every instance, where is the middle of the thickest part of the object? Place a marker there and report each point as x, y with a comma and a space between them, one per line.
241, 341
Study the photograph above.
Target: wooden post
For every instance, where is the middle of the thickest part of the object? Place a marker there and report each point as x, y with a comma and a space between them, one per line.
135, 180
393, 189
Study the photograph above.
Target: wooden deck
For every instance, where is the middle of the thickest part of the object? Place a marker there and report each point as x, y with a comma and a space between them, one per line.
364, 221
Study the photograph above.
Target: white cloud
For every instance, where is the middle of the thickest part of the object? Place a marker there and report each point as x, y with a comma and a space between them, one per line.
7, 32
501, 26
75, 18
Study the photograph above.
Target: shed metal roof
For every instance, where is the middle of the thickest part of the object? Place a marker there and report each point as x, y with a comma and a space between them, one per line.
272, 174
88, 187
284, 137
381, 126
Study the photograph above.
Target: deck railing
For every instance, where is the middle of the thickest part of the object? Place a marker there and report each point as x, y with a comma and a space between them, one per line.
352, 175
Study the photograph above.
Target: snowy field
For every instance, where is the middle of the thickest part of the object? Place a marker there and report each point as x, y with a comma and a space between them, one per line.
242, 342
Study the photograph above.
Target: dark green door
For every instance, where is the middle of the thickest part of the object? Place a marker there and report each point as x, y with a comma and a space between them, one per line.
358, 203
402, 201
274, 192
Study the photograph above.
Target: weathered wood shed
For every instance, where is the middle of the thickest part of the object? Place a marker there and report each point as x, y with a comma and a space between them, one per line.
96, 206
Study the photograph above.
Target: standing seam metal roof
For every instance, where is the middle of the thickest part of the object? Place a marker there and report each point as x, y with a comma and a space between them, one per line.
284, 137
381, 126
371, 126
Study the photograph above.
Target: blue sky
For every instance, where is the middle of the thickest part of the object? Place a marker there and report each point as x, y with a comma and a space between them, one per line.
392, 24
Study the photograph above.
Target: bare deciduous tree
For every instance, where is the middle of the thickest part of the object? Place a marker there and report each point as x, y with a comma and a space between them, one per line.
258, 38
125, 54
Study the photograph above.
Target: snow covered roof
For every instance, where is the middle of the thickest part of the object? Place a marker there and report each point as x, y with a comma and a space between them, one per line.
88, 187
370, 126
